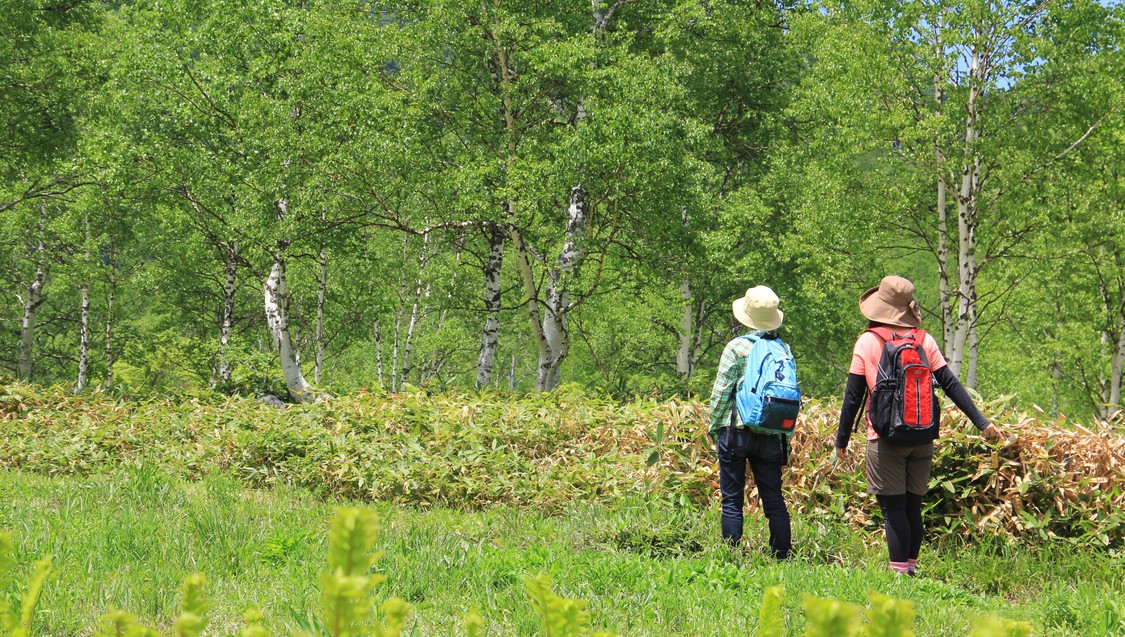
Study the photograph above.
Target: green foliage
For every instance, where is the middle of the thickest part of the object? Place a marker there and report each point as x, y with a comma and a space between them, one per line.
561, 617
192, 620
474, 624
118, 623
253, 628
1000, 627
888, 617
883, 617
830, 618
29, 599
346, 587
771, 617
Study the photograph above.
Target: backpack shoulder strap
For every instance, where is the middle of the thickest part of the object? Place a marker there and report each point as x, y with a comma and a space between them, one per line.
920, 337
883, 333
887, 335
753, 338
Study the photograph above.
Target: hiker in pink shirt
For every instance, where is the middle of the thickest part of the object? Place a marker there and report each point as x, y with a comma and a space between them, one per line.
893, 371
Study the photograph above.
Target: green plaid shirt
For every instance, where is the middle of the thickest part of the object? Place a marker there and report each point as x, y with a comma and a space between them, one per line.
730, 372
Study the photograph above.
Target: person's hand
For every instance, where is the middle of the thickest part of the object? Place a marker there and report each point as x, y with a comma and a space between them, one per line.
839, 454
992, 433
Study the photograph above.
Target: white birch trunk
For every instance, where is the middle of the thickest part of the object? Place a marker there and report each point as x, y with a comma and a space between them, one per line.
966, 221
600, 20
1056, 384
449, 295
321, 293
946, 301
492, 306
687, 332
1117, 369
557, 301
1105, 340
964, 338
947, 324
227, 326
379, 353
32, 300
424, 371
277, 315
697, 340
415, 307
394, 350
971, 377
84, 317
84, 339
109, 325
397, 342
687, 325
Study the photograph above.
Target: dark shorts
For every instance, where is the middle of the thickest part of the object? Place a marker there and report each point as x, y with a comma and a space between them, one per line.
895, 470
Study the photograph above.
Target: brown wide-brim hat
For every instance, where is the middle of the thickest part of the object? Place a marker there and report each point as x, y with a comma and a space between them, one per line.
891, 302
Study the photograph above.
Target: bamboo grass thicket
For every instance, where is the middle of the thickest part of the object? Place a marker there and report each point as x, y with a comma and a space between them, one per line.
1052, 481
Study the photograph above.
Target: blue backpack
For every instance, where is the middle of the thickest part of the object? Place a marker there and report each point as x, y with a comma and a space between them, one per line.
767, 397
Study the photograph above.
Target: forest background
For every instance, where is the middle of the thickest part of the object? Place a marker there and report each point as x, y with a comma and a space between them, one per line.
310, 197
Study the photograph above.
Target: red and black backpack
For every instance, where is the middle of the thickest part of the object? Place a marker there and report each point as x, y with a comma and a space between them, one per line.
903, 407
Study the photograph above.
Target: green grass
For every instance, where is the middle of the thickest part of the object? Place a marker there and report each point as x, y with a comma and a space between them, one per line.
127, 539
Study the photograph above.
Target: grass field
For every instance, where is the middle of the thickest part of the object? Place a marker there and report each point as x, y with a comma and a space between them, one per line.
127, 537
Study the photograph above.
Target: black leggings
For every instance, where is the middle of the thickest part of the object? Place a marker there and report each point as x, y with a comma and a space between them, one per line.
902, 520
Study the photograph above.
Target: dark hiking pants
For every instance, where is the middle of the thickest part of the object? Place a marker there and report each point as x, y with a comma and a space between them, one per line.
766, 454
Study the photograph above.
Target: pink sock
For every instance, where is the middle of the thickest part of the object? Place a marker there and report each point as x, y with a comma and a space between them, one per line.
912, 563
900, 567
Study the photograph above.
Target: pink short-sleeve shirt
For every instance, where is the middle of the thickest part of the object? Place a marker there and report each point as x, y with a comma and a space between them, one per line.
865, 361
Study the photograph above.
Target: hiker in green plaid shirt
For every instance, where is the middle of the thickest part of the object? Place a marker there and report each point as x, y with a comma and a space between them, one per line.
737, 446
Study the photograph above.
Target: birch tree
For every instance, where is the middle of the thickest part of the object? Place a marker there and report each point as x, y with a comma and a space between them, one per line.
32, 298
548, 314
478, 145
241, 132
486, 360
1082, 263
41, 91
951, 92
276, 292
740, 78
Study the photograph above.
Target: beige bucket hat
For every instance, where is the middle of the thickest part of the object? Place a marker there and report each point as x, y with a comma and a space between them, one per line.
758, 309
891, 302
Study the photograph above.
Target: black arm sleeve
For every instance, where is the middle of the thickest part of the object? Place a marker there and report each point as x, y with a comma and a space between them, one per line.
853, 399
960, 396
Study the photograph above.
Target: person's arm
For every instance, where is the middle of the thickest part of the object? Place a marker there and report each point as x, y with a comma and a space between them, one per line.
960, 397
853, 401
853, 393
722, 392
